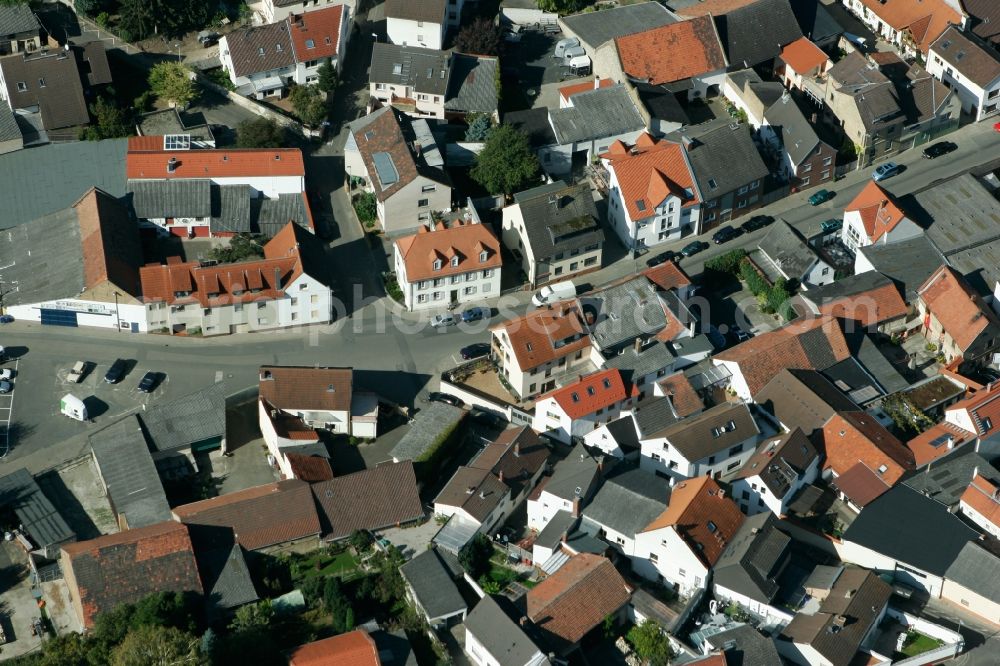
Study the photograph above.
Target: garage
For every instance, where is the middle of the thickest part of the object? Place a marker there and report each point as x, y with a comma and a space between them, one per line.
53, 317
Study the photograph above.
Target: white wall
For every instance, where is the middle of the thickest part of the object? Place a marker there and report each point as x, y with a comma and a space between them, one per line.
979, 519
674, 560
89, 313
754, 486
984, 607
775, 616
426, 34
668, 222
857, 554
736, 380
541, 511
421, 295
971, 94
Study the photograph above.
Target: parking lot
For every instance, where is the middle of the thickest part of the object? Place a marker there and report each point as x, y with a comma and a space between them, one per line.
7, 411
531, 74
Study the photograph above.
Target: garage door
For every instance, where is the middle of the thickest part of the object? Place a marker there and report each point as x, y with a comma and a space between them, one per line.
179, 231
201, 231
52, 317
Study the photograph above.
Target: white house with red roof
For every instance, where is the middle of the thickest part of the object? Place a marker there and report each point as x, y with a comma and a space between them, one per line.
873, 216
448, 262
979, 413
981, 503
801, 60
653, 197
576, 409
956, 318
911, 26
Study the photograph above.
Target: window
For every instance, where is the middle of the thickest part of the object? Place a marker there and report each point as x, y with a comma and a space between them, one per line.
746, 494
379, 86
420, 38
808, 167
483, 256
742, 203
22, 86
736, 450
295, 316
828, 161
438, 282
487, 273
423, 203
422, 284
712, 527
41, 83
260, 305
882, 469
744, 189
310, 44
454, 261
470, 290
438, 295
437, 266
987, 424
805, 181
681, 573
295, 301
420, 24
654, 558
421, 298
428, 188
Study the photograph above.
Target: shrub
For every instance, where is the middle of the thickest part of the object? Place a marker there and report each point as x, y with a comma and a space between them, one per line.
729, 262
366, 207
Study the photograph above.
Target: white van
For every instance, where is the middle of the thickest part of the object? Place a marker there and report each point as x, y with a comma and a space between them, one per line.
563, 44
73, 407
580, 65
572, 53
554, 292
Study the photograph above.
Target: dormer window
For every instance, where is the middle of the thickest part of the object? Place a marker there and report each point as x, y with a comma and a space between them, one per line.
483, 256
607, 383
576, 397
454, 261
437, 264
590, 390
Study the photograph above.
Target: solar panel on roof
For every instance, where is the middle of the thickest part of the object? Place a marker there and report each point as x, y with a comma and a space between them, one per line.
385, 168
939, 440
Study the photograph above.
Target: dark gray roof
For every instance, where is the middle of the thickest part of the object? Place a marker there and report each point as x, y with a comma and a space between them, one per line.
171, 198
222, 566
596, 28
35, 512
851, 285
94, 59
129, 474
535, 124
815, 21
727, 156
787, 249
871, 358
624, 312
577, 470
596, 114
957, 213
661, 103
499, 635
976, 569
425, 70
231, 208
802, 399
745, 646
394, 648
43, 259
432, 585
652, 358
741, 30
50, 178
909, 263
563, 522
880, 529
432, 11
753, 558
430, 423
946, 479
15, 18
921, 96
823, 576
781, 461
642, 492
260, 48
9, 130
271, 215
60, 98
981, 61
472, 84
694, 437
654, 415
182, 422
559, 218
797, 135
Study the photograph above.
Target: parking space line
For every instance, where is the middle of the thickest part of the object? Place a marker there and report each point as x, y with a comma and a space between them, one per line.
10, 412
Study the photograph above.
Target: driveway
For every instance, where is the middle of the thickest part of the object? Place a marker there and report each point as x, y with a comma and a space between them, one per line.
18, 609
411, 540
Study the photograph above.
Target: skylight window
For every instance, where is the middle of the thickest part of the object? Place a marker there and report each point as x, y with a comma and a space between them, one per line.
712, 184
640, 204
575, 396
590, 390
397, 69
607, 383
712, 527
987, 423
310, 44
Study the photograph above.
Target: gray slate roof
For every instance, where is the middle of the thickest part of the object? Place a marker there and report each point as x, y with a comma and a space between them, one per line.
563, 522
596, 114
976, 569
652, 358
231, 208
535, 124
428, 425
727, 156
432, 11
60, 98
171, 198
472, 84
272, 215
957, 213
128, 472
693, 436
500, 635
596, 28
187, 420
36, 513
577, 470
9, 130
653, 415
947, 478
786, 248
569, 225
222, 566
15, 18
623, 432
909, 263
748, 646
741, 31
797, 135
851, 285
260, 48
644, 494
43, 259
624, 312
432, 585
751, 561
802, 399
425, 70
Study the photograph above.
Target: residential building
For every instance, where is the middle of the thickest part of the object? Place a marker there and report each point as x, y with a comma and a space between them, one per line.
541, 347
636, 308
567, 92
751, 94
373, 499
971, 580
646, 368
879, 540
574, 600
652, 195
744, 642
907, 263
597, 31
687, 539
785, 254
430, 587
870, 299
575, 409
729, 173
397, 159
424, 23
573, 482
37, 517
799, 61
864, 458
288, 287
494, 638
874, 216
806, 160
448, 264
747, 572
780, 467
802, 399
168, 121
956, 319
952, 475
644, 494
981, 503
976, 412
45, 89
264, 60
983, 19
969, 66
617, 439
741, 24
554, 231
119, 568
20, 31
911, 27
357, 648
846, 618
276, 11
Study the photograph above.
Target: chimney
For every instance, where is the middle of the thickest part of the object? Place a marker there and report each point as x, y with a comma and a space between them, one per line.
565, 537
517, 449
482, 494
671, 481
171, 165
722, 493
500, 476
576, 506
638, 345
951, 443
693, 327
277, 278
523, 621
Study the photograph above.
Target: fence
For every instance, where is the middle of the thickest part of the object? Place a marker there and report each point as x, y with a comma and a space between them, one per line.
953, 641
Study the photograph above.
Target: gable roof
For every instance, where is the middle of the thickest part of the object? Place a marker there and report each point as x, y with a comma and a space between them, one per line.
567, 92
725, 157
751, 561
869, 298
49, 80
712, 431
984, 18
559, 218
499, 635
802, 399
860, 485
702, 516
803, 56
578, 470
515, 456
465, 241
191, 419
961, 311
545, 334
577, 597
787, 250
111, 249
977, 569
645, 494
983, 497
261, 516
355, 648
924, 21
222, 566
478, 492
432, 11
585, 396
879, 528
143, 163
594, 30
372, 499
781, 460
596, 114
120, 568
947, 479
432, 585
15, 18
798, 137
908, 263
672, 52
316, 34
649, 172
741, 28
425, 70
307, 388
937, 441
472, 84
35, 512
745, 646
850, 437
983, 408
260, 48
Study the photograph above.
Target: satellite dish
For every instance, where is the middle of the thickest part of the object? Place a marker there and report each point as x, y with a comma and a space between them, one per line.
713, 607
579, 491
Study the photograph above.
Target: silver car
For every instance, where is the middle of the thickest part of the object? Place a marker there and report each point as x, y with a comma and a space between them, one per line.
443, 320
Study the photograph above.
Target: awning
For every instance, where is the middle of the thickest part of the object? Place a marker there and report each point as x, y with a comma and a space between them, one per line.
268, 84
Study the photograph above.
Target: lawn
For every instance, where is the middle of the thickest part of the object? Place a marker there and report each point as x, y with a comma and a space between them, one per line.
341, 564
919, 644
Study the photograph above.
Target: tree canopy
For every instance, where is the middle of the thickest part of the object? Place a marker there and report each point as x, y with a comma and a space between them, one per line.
650, 643
153, 645
173, 82
309, 105
327, 76
260, 133
481, 37
479, 128
475, 555
561, 7
506, 163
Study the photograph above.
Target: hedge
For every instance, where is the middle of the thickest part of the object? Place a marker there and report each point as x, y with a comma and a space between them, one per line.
772, 298
730, 262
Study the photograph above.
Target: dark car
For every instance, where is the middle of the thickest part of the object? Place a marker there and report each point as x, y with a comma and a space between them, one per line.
475, 350
6, 319
756, 222
725, 234
661, 258
475, 314
693, 248
208, 38
116, 372
820, 197
437, 396
738, 335
939, 149
488, 419
149, 382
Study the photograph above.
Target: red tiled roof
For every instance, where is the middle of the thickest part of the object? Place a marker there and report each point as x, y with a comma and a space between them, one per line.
310, 469
577, 597
516, 454
322, 28
683, 397
961, 311
667, 276
649, 172
761, 358
587, 395
983, 407
568, 91
111, 249
355, 648
981, 496
861, 485
932, 443
211, 163
533, 336
702, 515
444, 243
150, 142
295, 387
672, 52
261, 516
852, 437
925, 20
879, 211
875, 306
803, 56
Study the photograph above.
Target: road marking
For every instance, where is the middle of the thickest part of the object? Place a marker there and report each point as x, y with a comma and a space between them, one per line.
10, 410
218, 376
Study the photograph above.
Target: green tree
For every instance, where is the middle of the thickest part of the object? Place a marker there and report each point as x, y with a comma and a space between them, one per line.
361, 540
209, 643
259, 133
561, 7
136, 19
156, 646
650, 643
327, 76
506, 162
308, 104
338, 605
241, 247
253, 617
475, 555
173, 82
481, 37
479, 129
110, 122
366, 207
82, 7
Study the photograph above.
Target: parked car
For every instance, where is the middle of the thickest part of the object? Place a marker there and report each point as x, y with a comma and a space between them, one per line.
438, 396
996, 127
662, 258
488, 419
116, 372
6, 373
475, 350
693, 248
831, 225
726, 234
738, 335
6, 386
884, 171
939, 149
6, 319
443, 320
149, 382
820, 197
554, 292
475, 314
208, 38
756, 222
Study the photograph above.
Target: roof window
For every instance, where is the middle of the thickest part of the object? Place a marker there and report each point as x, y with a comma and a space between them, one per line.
591, 391
712, 184
328, 42
607, 383
260, 50
712, 527
310, 44
575, 396
640, 204
397, 69
987, 424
